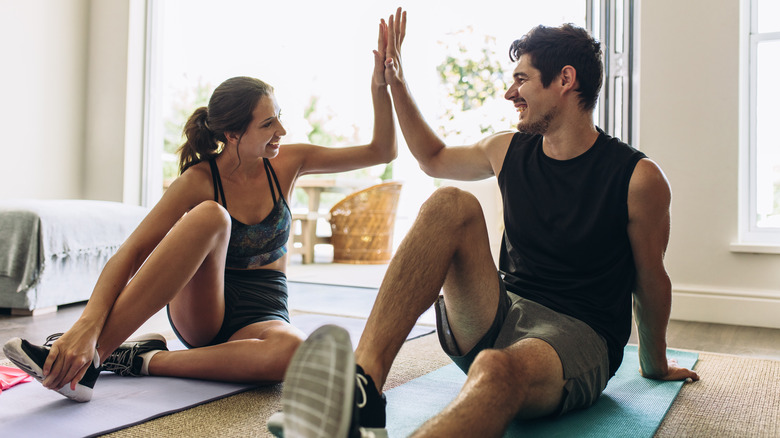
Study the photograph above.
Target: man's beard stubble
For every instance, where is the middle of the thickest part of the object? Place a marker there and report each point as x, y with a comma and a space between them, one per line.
540, 126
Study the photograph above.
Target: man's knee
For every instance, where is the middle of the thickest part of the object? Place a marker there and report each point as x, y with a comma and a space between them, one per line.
495, 366
532, 387
496, 372
451, 203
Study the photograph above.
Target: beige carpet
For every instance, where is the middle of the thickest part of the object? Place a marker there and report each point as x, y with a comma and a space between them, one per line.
736, 397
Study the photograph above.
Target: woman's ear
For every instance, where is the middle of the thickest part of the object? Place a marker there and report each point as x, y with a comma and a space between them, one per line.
232, 137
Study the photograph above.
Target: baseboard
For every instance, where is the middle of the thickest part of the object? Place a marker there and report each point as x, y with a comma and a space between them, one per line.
726, 306
33, 312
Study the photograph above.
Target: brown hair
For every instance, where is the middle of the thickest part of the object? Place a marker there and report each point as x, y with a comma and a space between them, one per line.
229, 110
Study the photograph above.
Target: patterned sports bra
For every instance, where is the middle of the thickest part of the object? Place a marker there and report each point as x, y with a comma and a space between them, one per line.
253, 246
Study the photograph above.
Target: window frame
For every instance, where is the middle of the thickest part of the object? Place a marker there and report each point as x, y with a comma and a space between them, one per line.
617, 110
751, 237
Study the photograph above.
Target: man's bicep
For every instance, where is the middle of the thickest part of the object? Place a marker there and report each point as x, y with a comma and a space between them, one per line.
464, 163
473, 162
649, 222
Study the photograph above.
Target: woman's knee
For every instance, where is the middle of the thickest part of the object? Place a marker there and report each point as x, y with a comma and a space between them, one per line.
280, 349
209, 216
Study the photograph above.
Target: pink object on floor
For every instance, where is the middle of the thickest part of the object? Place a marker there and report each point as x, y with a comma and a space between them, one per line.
10, 376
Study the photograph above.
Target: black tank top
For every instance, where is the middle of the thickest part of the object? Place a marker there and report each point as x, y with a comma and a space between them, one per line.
566, 242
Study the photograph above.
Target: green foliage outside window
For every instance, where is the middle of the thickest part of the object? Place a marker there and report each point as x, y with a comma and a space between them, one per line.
474, 81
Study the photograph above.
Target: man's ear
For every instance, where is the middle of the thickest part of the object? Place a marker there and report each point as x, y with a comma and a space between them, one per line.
568, 77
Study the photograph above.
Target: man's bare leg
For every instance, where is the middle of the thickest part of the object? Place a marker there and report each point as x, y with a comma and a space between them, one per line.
525, 379
447, 246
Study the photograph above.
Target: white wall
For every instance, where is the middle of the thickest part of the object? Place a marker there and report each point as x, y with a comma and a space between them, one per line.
64, 82
42, 84
689, 124
68, 79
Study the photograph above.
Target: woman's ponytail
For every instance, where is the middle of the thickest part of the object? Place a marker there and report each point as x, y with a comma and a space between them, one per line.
200, 143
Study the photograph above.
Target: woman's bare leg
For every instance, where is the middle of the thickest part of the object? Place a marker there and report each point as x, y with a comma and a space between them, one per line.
258, 353
191, 260
187, 271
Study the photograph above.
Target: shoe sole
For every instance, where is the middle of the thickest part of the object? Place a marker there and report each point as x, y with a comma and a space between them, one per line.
275, 424
14, 352
318, 392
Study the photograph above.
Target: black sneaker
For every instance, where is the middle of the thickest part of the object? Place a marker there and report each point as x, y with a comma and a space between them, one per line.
31, 358
370, 404
127, 361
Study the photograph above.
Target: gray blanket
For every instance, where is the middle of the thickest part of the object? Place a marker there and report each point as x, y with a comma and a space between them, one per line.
36, 233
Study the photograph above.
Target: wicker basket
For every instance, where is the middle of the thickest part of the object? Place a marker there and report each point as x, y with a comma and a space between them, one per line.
362, 225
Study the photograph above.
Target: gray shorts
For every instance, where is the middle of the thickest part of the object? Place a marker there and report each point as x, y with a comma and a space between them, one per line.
582, 351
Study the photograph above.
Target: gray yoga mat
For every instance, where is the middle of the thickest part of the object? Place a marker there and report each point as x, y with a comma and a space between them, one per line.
354, 326
339, 300
29, 410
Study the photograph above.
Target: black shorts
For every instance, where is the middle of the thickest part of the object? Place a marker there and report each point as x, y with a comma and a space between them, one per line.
251, 296
583, 352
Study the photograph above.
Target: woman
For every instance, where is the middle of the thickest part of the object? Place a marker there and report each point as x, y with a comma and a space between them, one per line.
212, 250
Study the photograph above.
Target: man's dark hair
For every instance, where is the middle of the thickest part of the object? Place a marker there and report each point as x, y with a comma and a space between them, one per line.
552, 48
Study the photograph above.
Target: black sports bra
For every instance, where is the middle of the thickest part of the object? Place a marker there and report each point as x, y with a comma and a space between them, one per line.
253, 246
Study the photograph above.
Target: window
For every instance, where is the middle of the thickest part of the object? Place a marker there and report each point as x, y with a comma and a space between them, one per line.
760, 210
320, 67
612, 22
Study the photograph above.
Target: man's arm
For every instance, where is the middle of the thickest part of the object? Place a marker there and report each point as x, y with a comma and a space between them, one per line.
649, 198
478, 161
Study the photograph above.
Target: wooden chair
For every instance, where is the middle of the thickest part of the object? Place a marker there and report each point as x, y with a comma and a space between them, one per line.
362, 225
303, 242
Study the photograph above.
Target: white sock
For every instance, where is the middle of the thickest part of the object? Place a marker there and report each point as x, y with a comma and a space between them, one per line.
147, 357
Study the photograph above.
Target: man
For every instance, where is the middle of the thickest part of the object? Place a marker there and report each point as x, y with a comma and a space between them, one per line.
587, 224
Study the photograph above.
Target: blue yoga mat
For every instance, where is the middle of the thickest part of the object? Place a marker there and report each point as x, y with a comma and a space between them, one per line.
631, 406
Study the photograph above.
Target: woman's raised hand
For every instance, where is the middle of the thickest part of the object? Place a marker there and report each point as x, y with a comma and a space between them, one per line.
380, 54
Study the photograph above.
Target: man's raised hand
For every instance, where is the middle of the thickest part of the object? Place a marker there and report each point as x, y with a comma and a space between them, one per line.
396, 31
